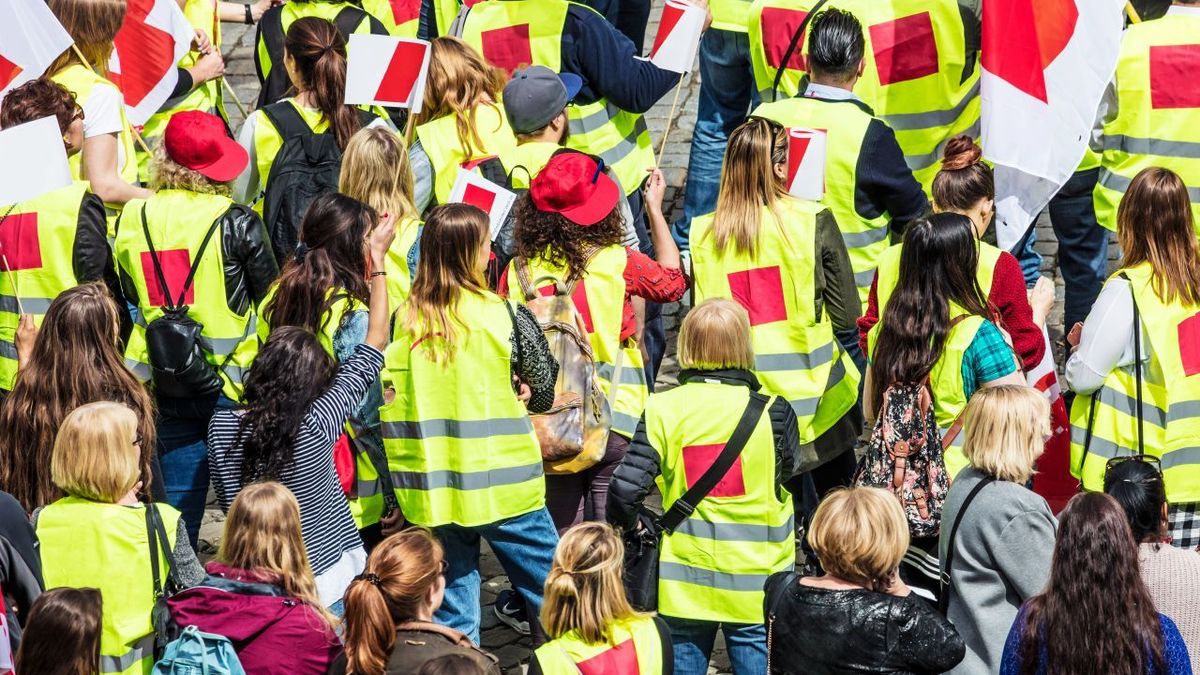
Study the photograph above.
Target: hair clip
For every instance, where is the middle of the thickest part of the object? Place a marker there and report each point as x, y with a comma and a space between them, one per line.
369, 578
301, 251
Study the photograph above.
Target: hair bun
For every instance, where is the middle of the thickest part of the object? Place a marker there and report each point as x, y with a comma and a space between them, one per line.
960, 153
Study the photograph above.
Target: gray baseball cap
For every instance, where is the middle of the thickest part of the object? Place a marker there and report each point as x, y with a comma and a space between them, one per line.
536, 95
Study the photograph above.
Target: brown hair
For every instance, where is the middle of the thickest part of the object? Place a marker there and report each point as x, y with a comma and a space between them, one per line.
748, 183
62, 633
36, 99
391, 590
93, 25
451, 664
319, 54
552, 237
716, 335
460, 80
76, 360
584, 592
964, 178
1155, 225
96, 452
860, 534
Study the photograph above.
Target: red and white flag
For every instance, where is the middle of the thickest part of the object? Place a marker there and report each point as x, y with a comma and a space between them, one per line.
1045, 64
22, 180
494, 200
1053, 480
30, 39
154, 36
678, 38
806, 163
388, 71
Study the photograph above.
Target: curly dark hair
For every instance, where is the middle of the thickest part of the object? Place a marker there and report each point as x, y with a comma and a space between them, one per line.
558, 241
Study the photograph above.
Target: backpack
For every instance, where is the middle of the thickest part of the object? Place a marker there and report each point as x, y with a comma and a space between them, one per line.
573, 434
270, 33
194, 652
306, 167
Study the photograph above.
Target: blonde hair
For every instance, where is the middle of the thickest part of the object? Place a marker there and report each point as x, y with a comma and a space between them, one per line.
860, 534
748, 183
584, 592
459, 81
95, 456
1006, 428
375, 171
93, 25
716, 335
262, 533
167, 174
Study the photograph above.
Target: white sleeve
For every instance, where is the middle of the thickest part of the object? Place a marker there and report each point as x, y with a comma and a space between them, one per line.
246, 185
102, 112
1107, 340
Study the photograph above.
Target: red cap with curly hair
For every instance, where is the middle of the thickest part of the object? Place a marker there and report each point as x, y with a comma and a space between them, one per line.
574, 185
198, 141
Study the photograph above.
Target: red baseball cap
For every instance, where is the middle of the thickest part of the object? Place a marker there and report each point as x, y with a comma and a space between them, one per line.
574, 184
199, 141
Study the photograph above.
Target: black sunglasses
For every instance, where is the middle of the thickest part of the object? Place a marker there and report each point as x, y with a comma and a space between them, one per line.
1144, 458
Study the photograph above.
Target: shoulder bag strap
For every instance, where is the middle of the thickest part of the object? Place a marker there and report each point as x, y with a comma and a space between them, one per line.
1137, 364
377, 458
270, 27
944, 577
165, 547
685, 505
791, 48
152, 537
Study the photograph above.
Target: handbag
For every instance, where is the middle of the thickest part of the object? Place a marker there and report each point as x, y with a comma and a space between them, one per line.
642, 544
160, 616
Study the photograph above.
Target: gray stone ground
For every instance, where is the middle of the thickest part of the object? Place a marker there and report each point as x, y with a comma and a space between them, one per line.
513, 650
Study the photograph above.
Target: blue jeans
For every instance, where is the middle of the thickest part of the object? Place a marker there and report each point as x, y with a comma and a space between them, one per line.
182, 429
727, 93
1029, 259
1082, 245
746, 643
524, 546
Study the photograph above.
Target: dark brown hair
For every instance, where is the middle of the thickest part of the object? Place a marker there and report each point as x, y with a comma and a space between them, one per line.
1095, 610
550, 236
62, 633
964, 178
319, 53
451, 664
76, 359
1155, 225
36, 99
93, 25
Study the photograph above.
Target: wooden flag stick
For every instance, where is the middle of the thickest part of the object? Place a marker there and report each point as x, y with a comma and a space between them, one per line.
670, 118
82, 58
410, 128
136, 136
233, 94
1132, 12
12, 280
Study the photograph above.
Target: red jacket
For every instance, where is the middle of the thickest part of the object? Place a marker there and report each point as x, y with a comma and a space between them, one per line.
273, 634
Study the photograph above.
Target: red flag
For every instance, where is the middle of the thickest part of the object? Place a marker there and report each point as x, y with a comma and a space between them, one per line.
1021, 43
508, 48
678, 37
388, 71
154, 36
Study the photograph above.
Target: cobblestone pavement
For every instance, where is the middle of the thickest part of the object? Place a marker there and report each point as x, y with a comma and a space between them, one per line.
512, 649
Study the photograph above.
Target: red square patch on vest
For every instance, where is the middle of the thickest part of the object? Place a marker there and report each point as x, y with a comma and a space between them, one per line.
760, 291
579, 297
904, 49
620, 659
508, 48
176, 264
697, 459
404, 11
1173, 72
778, 27
1189, 344
19, 242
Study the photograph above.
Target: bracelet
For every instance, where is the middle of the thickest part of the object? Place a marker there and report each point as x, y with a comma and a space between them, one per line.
378, 274
249, 16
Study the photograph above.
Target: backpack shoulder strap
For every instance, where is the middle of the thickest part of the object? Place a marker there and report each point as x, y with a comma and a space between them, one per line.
191, 276
270, 30
348, 20
287, 120
944, 580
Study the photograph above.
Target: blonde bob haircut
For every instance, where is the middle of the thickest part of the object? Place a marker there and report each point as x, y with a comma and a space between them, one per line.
1006, 430
716, 335
584, 592
95, 454
860, 534
376, 172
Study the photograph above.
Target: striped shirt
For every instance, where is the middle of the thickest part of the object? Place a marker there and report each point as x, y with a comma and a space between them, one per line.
325, 521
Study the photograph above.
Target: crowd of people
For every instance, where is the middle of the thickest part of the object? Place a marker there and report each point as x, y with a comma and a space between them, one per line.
373, 379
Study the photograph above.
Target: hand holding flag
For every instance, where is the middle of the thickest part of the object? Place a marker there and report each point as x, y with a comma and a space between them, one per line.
387, 71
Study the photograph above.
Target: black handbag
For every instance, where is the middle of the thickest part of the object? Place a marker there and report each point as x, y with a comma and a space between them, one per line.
642, 544
160, 616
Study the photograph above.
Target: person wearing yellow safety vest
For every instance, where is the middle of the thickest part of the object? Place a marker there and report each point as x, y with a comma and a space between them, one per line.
783, 259
936, 327
869, 188
921, 74
593, 628
190, 245
462, 451
1139, 348
461, 120
399, 17
97, 536
712, 567
107, 160
348, 16
67, 226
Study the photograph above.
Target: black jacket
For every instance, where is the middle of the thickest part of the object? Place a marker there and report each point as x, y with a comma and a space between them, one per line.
635, 476
20, 565
92, 257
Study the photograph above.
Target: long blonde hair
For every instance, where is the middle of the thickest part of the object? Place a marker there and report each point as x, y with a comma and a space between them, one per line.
375, 171
93, 25
460, 80
748, 183
1155, 225
584, 592
97, 453
262, 533
448, 267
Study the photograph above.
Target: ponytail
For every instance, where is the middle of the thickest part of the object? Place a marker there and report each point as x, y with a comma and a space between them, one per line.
370, 628
319, 53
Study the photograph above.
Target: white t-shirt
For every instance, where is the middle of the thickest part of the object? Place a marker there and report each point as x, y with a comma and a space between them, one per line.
102, 115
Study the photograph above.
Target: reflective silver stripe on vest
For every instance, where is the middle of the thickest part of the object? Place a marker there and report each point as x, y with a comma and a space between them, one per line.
8, 349
592, 121
805, 407
624, 147
768, 363
9, 303
1180, 457
1152, 146
478, 480
864, 278
366, 488
933, 118
143, 648
629, 374
140, 370
1115, 181
501, 426
865, 238
916, 162
725, 581
1102, 447
1151, 414
624, 422
773, 534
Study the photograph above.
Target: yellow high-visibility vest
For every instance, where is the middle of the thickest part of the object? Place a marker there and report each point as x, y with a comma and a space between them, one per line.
634, 646
888, 272
81, 81
439, 138
526, 161
399, 17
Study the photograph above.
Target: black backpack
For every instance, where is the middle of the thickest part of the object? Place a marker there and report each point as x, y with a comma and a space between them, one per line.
306, 167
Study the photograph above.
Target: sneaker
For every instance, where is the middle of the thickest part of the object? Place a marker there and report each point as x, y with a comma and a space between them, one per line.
510, 609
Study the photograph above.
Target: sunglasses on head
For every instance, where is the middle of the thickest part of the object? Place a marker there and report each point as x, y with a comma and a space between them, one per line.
1144, 458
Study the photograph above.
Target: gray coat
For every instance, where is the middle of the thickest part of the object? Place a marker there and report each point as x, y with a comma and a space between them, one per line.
1002, 557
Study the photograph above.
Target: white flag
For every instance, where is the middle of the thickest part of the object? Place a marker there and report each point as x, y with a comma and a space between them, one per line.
153, 38
387, 71
806, 163
30, 39
21, 180
678, 37
494, 200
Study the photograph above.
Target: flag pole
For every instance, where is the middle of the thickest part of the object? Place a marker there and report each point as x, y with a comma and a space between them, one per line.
1132, 12
233, 94
86, 64
410, 128
670, 118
